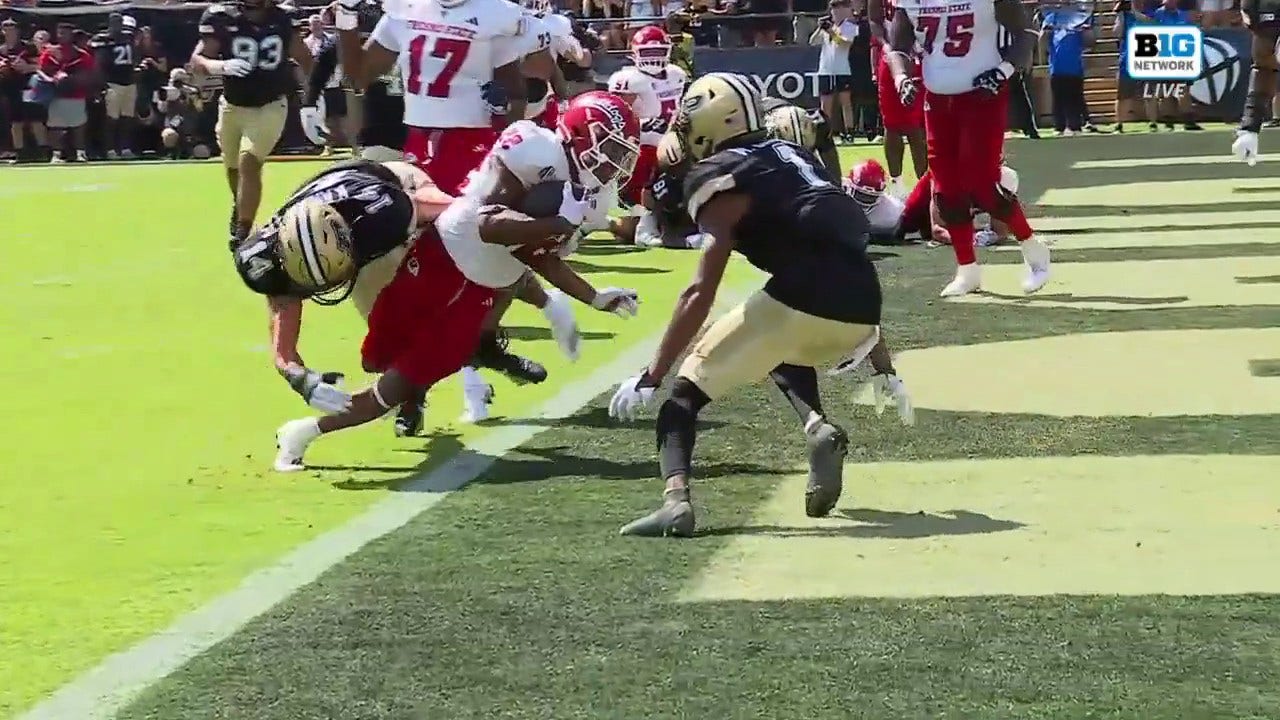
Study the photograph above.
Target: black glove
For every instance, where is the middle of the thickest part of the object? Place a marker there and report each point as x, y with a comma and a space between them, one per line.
992, 79
655, 125
495, 96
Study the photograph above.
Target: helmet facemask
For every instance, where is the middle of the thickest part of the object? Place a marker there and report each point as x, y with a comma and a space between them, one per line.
652, 57
604, 155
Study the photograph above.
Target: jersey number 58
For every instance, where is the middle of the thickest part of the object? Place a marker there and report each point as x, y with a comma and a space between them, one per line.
436, 60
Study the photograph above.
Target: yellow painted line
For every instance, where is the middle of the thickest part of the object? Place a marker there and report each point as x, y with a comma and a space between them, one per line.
1138, 284
1184, 525
1141, 373
1223, 159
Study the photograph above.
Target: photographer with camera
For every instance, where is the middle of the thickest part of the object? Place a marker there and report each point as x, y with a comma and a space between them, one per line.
835, 35
179, 105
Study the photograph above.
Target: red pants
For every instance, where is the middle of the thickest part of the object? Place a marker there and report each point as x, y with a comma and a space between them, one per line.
448, 155
966, 141
646, 166
915, 212
897, 117
425, 324
551, 115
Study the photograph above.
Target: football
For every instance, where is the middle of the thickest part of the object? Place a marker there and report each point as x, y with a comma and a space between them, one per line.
543, 200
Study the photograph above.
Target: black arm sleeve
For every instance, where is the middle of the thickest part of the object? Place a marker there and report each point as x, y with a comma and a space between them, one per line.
325, 66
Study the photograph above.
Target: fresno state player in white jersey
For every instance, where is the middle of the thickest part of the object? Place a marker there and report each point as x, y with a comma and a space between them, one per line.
651, 53
966, 98
458, 58
556, 36
594, 146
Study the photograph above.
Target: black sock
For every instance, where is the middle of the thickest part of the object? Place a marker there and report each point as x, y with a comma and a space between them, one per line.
677, 428
799, 383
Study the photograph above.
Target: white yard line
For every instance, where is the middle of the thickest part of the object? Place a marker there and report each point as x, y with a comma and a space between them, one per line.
105, 689
1226, 158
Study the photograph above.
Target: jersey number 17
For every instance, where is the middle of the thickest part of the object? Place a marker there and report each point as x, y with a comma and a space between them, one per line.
447, 55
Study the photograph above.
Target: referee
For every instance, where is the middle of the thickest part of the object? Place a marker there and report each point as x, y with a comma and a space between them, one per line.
382, 129
1022, 112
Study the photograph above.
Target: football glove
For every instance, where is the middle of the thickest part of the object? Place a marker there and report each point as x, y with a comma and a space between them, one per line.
992, 79
619, 301
887, 388
495, 97
655, 125
313, 125
322, 391
907, 88
633, 395
235, 67
1246, 146
564, 327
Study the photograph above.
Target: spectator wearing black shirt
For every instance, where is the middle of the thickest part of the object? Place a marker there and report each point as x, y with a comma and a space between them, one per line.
153, 73
113, 51
17, 65
802, 26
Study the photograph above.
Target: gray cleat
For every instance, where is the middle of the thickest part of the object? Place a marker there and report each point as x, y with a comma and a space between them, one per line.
827, 447
673, 519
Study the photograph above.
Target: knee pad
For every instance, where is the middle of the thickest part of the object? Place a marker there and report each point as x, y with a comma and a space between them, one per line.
954, 209
687, 394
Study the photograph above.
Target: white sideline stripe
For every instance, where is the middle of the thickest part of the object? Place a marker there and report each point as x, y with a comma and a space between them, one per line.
104, 690
1223, 159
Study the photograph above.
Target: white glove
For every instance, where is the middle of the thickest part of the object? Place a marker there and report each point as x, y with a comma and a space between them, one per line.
888, 387
313, 126
572, 209
622, 302
564, 327
1246, 146
330, 398
630, 398
235, 67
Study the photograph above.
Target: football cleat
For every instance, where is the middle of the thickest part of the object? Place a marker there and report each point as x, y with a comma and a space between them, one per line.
292, 439
493, 354
674, 519
828, 446
1035, 255
968, 279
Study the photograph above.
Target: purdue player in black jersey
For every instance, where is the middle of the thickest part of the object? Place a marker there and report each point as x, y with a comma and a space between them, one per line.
768, 200
114, 54
249, 43
807, 128
1262, 18
381, 136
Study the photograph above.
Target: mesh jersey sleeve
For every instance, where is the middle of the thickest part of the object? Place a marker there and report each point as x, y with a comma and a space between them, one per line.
723, 172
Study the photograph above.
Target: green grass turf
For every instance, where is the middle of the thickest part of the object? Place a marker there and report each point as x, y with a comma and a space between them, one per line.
143, 405
515, 599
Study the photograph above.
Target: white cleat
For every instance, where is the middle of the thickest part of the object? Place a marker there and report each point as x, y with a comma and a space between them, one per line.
1035, 255
476, 399
292, 439
564, 327
968, 279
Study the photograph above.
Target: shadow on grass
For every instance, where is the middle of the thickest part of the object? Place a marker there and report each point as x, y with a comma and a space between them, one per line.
872, 523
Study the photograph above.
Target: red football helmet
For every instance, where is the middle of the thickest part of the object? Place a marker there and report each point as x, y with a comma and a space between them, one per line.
866, 182
651, 48
601, 133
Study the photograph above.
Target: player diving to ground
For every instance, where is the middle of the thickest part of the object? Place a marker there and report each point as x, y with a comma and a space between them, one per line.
426, 314
767, 200
382, 132
1262, 17
249, 43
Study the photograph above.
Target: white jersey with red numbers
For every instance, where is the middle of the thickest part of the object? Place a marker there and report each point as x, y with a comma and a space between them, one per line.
448, 54
959, 39
630, 81
668, 85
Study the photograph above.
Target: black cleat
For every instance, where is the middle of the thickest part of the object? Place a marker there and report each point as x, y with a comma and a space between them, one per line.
673, 519
408, 420
493, 354
828, 446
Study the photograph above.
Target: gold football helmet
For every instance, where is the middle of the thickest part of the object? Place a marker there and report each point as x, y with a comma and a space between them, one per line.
717, 109
792, 124
670, 152
315, 246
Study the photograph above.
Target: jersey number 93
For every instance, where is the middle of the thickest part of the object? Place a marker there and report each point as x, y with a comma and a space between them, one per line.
263, 55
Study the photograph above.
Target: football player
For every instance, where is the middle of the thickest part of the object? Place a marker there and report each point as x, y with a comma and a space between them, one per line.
1262, 18
768, 200
382, 132
427, 317
892, 220
544, 85
966, 96
806, 128
903, 123
113, 54
249, 43
456, 75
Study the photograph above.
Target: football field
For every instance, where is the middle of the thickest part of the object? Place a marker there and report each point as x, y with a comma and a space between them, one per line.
1085, 521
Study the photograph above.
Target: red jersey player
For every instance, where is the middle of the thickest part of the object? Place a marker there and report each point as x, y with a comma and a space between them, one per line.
903, 124
459, 59
965, 100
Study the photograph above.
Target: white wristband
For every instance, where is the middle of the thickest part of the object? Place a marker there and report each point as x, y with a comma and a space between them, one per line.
344, 19
1006, 69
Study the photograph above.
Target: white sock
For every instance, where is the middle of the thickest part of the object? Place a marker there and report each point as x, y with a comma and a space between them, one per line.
471, 377
313, 428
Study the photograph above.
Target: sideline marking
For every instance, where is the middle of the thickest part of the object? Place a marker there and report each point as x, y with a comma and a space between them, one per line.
104, 690
1178, 524
1223, 159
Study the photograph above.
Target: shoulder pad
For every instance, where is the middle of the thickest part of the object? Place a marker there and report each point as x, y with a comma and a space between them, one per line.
719, 173
528, 153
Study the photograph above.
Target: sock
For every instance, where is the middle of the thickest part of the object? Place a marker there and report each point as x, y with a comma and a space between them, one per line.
313, 428
677, 428
471, 377
799, 384
962, 242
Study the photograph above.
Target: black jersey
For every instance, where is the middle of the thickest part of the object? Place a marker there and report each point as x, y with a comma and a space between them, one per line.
383, 100
115, 57
368, 195
264, 45
804, 231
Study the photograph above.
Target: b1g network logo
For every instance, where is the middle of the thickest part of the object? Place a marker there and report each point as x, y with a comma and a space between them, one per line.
1165, 52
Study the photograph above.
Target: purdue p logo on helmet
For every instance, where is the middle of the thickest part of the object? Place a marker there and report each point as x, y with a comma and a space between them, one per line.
717, 109
315, 246
792, 124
